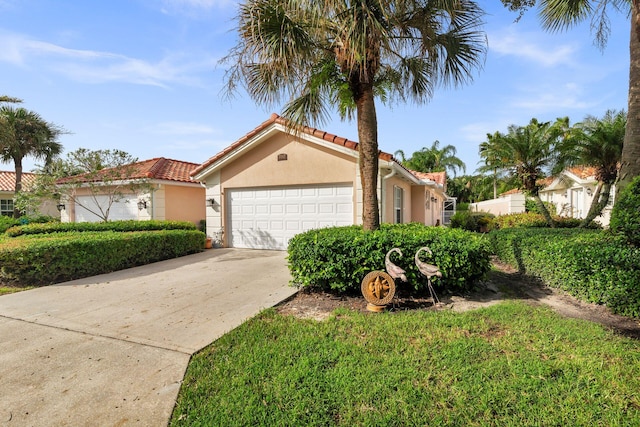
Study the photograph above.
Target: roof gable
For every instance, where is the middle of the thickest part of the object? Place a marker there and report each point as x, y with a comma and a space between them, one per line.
8, 180
281, 123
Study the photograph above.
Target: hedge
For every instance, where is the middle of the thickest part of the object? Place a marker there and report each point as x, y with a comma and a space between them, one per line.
123, 226
47, 259
625, 217
532, 220
595, 266
337, 259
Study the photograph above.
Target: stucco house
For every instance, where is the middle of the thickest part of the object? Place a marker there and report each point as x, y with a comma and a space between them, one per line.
572, 192
170, 194
272, 184
7, 191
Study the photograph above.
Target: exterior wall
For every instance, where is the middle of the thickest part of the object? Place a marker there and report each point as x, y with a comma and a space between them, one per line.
184, 203
418, 204
387, 200
512, 203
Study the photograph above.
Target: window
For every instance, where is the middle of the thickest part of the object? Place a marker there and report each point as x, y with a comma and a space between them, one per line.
398, 201
6, 207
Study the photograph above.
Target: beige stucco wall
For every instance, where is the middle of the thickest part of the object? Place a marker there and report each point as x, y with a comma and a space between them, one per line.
512, 203
185, 203
388, 214
306, 164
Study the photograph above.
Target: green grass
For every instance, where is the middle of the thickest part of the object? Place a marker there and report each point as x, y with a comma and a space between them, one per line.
509, 364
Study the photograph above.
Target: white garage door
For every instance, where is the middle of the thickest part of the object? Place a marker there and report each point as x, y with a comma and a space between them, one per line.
126, 208
269, 218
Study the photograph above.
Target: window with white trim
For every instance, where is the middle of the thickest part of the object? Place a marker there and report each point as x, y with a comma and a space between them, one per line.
6, 207
398, 202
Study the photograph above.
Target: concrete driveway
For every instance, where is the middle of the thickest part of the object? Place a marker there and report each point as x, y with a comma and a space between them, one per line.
112, 350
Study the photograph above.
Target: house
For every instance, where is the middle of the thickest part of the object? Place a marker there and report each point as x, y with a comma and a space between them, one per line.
509, 202
7, 192
168, 193
572, 192
274, 183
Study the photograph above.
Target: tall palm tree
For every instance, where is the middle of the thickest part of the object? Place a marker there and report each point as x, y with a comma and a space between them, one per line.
344, 53
25, 133
436, 159
598, 143
559, 15
527, 152
494, 159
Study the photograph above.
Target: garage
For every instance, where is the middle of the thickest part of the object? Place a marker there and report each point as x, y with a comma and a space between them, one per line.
126, 208
267, 218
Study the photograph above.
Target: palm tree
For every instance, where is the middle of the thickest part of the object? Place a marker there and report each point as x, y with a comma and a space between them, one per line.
598, 143
24, 133
435, 159
493, 158
11, 99
325, 53
527, 151
559, 15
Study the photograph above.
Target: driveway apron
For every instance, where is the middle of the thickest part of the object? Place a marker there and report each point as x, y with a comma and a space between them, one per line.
112, 350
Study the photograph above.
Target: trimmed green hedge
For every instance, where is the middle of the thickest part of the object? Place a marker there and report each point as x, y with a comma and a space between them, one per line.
46, 259
592, 265
338, 258
625, 217
531, 220
128, 225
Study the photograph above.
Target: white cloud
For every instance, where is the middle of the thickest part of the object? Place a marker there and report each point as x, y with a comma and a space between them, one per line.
527, 46
91, 66
193, 7
548, 99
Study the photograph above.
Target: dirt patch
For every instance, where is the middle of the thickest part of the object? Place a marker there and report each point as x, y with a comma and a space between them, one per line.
503, 283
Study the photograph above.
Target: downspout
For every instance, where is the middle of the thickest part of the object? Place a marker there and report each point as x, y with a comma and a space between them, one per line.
383, 193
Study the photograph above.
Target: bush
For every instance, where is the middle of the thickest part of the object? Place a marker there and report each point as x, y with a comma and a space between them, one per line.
531, 220
6, 222
471, 221
625, 217
530, 205
121, 226
46, 259
338, 258
592, 265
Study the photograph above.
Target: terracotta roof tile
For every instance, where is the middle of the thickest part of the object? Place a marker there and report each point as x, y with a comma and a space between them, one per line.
439, 177
273, 119
8, 180
583, 172
156, 168
512, 191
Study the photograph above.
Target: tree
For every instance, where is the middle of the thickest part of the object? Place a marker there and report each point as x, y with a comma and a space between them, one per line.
106, 176
315, 55
598, 143
434, 159
24, 133
494, 158
527, 152
560, 15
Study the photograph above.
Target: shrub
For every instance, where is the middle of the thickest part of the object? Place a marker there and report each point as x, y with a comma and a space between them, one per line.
530, 205
338, 258
625, 217
46, 259
531, 220
593, 265
471, 221
6, 222
121, 226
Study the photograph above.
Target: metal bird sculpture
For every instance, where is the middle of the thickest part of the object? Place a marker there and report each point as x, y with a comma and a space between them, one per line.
429, 271
393, 270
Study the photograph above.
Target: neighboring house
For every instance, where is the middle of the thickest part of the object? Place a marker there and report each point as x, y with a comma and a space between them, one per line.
173, 196
572, 193
272, 184
7, 191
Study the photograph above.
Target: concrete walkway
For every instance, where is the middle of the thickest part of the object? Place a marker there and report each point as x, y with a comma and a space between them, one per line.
112, 350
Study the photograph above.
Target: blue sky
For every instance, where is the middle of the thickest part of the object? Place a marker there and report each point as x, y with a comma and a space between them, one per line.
143, 76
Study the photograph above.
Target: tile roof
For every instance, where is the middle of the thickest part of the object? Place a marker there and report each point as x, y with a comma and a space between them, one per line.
512, 191
439, 177
156, 168
8, 180
276, 119
583, 172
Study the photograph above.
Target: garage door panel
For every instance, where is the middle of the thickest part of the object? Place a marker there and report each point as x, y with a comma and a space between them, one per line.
277, 214
126, 208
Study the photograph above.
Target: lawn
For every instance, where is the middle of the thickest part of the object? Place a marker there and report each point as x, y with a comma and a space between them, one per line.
509, 364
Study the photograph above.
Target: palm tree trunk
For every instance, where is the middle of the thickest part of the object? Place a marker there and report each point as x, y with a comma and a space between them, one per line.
543, 209
600, 200
368, 148
630, 161
18, 169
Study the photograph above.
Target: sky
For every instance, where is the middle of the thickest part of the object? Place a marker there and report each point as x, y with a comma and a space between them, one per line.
144, 76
